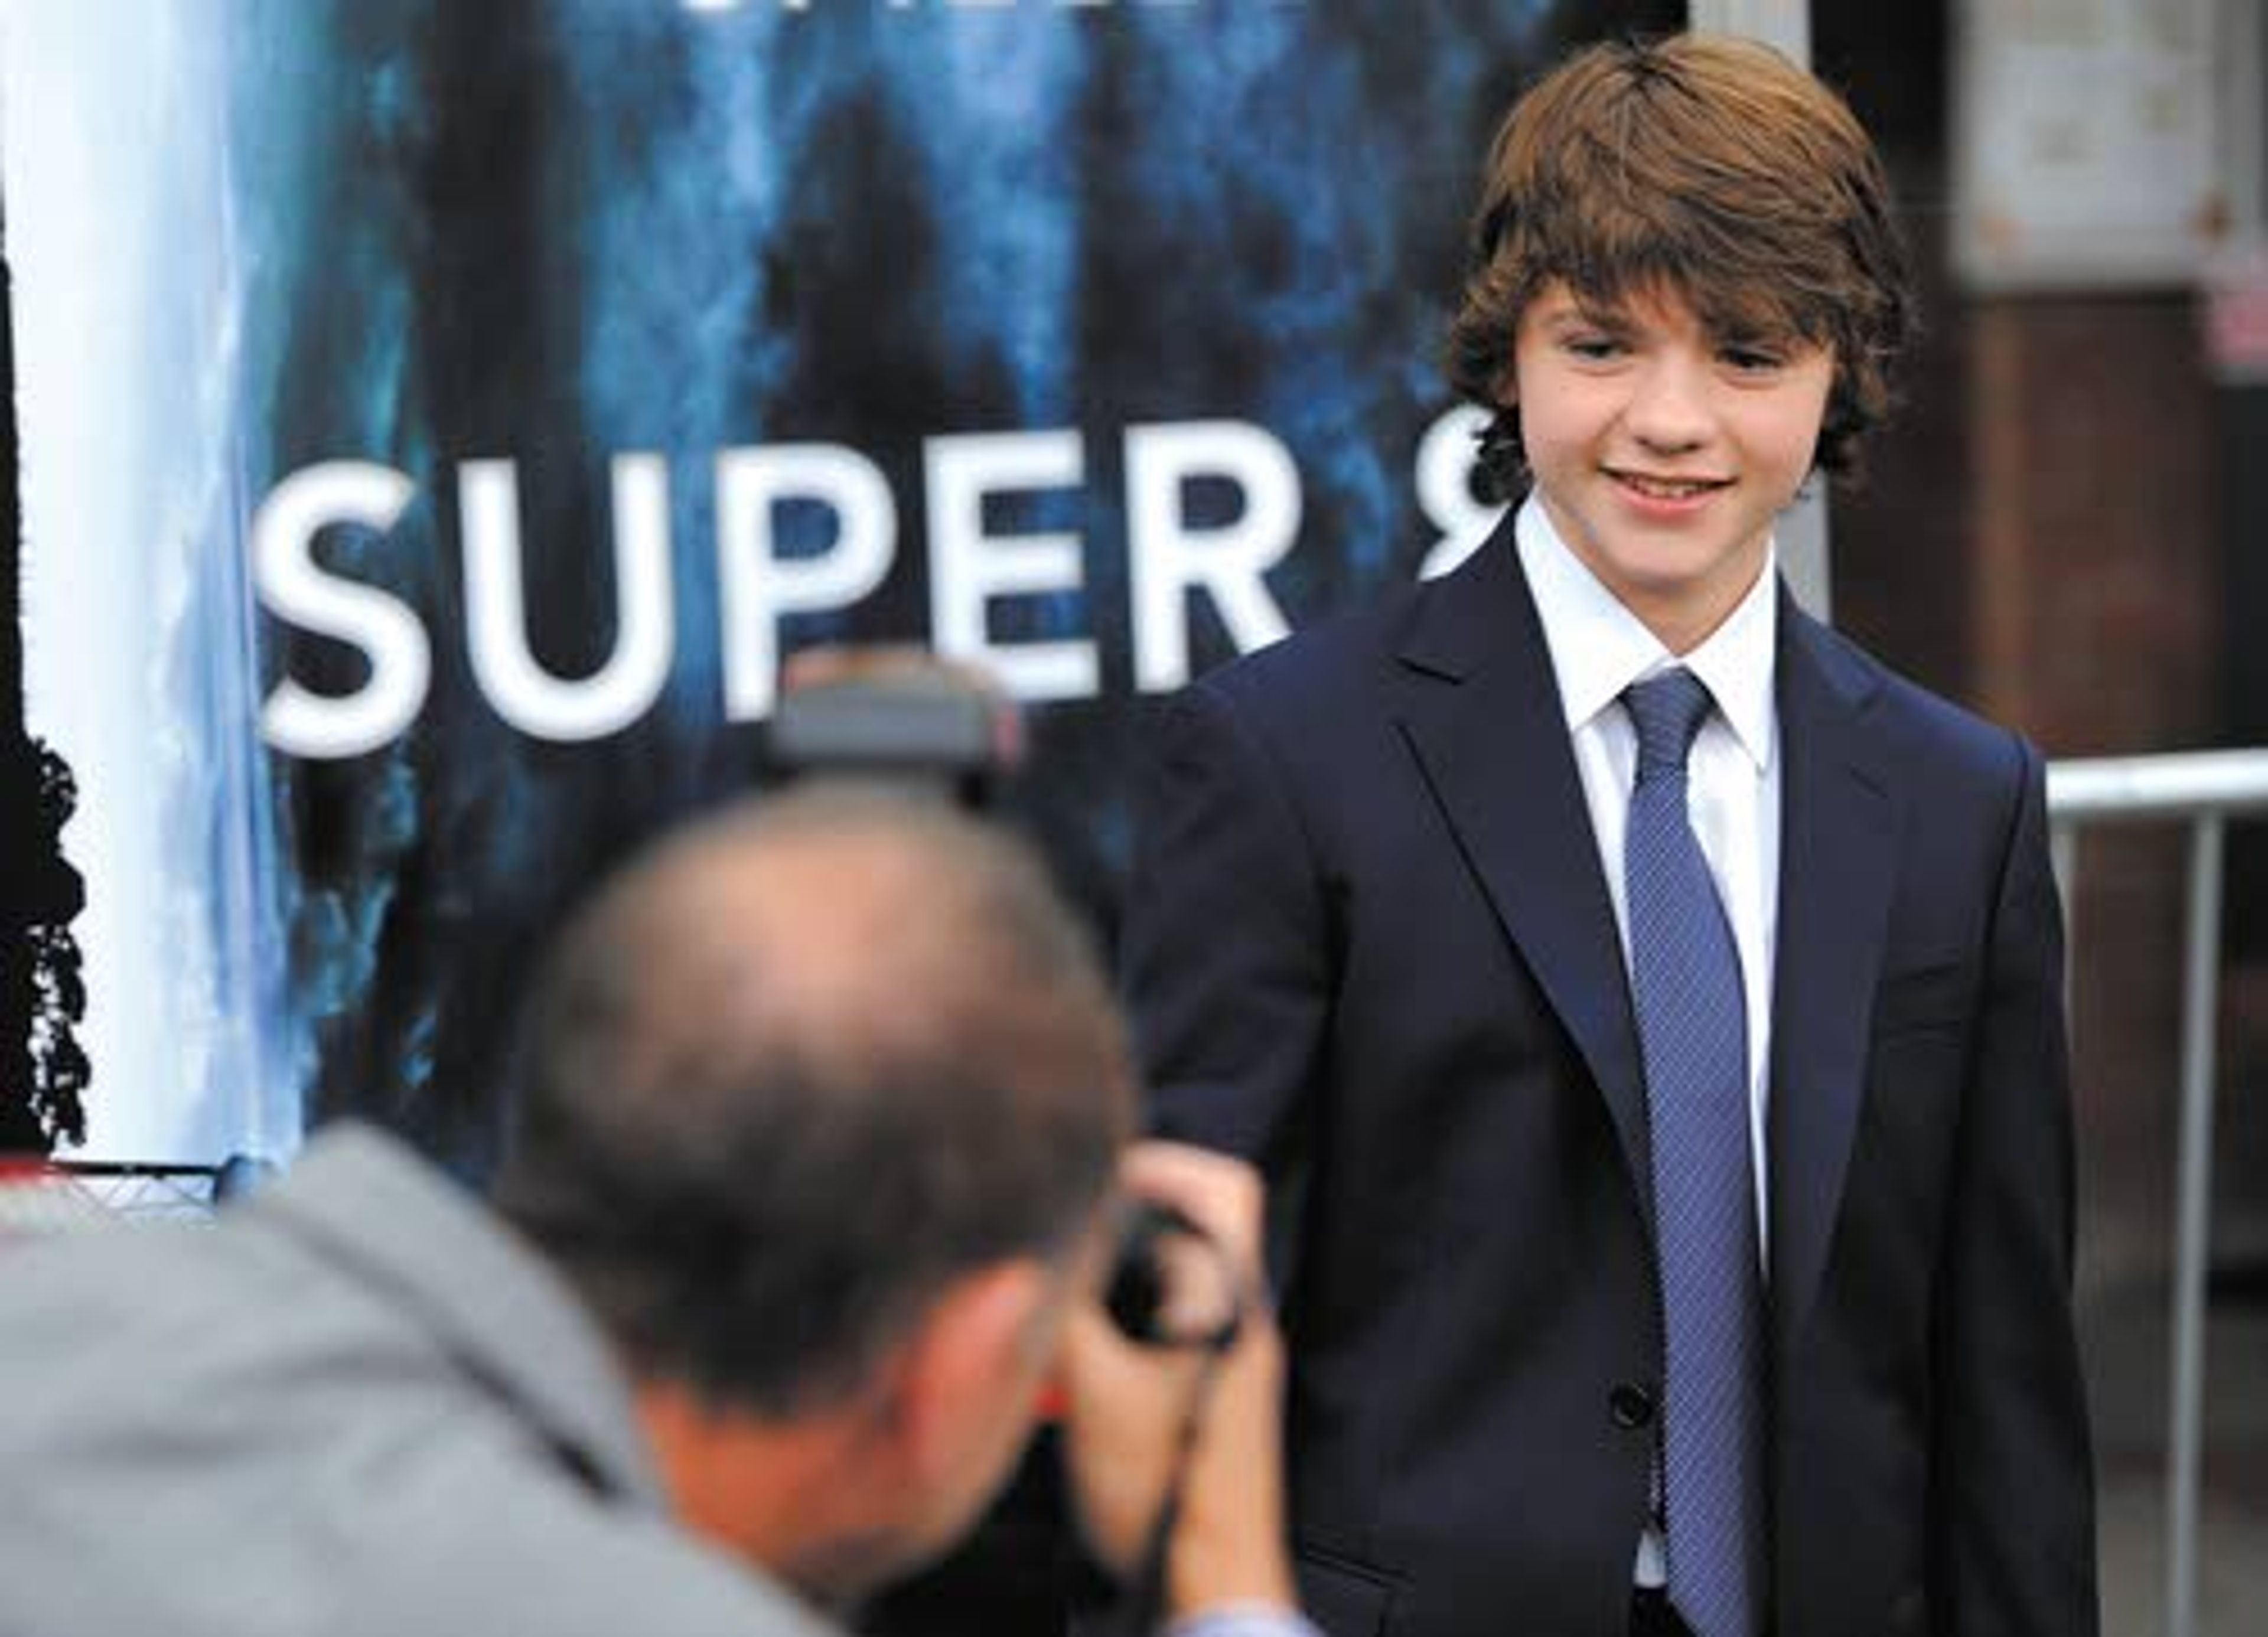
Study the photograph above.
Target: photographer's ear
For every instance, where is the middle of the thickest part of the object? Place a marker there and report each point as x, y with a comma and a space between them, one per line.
960, 1397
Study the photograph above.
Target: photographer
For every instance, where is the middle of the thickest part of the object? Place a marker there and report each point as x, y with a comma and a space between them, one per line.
821, 1108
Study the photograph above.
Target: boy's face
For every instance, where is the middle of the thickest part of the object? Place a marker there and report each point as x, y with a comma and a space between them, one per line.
1663, 452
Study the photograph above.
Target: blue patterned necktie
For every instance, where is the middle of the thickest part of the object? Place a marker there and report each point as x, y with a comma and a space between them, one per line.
1685, 979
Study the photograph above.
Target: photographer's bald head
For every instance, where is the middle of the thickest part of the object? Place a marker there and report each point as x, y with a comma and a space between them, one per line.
816, 1104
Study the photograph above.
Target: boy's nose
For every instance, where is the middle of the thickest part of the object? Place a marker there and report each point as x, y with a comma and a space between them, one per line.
1668, 408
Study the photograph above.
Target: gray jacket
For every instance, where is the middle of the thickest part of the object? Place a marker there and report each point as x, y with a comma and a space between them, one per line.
354, 1405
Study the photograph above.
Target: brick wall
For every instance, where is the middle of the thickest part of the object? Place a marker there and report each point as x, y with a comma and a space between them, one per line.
2095, 546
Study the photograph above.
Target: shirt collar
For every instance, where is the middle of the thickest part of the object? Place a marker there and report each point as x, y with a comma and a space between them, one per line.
1599, 646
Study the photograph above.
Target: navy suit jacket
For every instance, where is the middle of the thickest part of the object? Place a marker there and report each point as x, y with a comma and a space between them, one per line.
1369, 945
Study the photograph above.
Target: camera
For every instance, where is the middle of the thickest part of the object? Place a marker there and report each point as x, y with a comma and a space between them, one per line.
1171, 1285
900, 717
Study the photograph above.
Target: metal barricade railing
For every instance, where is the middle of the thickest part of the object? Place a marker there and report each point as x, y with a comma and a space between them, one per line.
39, 1197
2203, 789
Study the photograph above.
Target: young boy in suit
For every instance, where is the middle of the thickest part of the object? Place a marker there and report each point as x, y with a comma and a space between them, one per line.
1652, 1004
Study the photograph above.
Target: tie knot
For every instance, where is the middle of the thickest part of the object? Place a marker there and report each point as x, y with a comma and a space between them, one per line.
1668, 711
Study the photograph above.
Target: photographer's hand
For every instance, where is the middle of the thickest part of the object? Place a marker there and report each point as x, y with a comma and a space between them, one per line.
1132, 1408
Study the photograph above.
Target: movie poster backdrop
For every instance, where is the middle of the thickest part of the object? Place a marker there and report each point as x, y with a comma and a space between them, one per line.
438, 420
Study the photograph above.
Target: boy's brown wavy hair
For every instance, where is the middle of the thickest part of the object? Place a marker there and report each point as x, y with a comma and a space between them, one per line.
1704, 167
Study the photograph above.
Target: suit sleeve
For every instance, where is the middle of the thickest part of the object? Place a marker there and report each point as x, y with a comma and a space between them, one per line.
2014, 1510
1225, 957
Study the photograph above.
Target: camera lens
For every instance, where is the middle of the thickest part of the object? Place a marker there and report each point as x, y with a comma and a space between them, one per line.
1171, 1285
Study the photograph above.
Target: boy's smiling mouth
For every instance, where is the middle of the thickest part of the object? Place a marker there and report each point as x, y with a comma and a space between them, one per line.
1668, 488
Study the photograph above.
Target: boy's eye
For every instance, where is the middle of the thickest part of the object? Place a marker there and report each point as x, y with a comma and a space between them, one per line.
1749, 359
1593, 348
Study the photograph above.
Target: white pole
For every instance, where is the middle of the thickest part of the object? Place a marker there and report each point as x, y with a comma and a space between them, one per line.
1784, 23
2193, 1205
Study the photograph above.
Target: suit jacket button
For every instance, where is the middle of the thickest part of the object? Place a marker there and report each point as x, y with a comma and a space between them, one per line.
1630, 1406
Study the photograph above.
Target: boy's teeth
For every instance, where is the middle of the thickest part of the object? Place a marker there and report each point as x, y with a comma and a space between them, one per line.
1664, 490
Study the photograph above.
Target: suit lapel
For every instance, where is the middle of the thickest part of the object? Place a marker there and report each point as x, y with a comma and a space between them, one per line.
1837, 860
1484, 715
1484, 719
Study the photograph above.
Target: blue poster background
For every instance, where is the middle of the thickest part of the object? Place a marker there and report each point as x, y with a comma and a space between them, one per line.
567, 363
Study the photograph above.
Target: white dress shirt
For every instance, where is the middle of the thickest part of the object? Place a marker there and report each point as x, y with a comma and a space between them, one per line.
1598, 649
